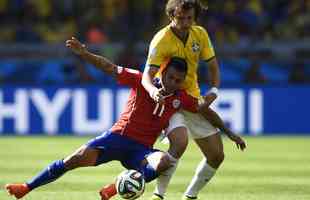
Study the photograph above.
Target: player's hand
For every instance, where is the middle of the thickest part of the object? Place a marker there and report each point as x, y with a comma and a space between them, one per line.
76, 46
157, 96
240, 143
209, 98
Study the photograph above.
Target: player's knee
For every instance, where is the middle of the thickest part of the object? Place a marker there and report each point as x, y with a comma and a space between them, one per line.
72, 162
216, 159
220, 158
178, 141
164, 163
159, 161
81, 158
180, 148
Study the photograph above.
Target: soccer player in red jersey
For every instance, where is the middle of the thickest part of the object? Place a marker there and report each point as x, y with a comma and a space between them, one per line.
134, 133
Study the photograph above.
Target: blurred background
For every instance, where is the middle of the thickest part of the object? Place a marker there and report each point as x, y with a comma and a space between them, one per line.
263, 48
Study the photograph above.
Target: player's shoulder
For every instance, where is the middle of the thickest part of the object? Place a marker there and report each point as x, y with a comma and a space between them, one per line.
161, 36
199, 30
126, 70
125, 73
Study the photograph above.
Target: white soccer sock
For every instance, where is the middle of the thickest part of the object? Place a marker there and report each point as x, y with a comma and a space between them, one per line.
165, 177
203, 175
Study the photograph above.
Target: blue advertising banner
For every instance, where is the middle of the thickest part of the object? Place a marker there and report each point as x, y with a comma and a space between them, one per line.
93, 109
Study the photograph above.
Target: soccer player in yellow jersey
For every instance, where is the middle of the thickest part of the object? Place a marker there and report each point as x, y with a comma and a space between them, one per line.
182, 38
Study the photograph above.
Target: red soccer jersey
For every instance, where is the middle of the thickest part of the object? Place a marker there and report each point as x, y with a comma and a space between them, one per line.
143, 119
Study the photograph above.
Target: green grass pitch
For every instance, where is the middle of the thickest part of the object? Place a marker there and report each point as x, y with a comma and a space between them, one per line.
273, 168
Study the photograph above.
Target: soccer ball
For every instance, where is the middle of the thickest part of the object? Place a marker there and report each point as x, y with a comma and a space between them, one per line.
130, 184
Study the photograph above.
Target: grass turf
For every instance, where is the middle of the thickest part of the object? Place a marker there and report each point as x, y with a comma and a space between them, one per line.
273, 168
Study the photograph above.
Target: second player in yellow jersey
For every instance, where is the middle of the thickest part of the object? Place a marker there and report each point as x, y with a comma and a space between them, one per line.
183, 38
166, 44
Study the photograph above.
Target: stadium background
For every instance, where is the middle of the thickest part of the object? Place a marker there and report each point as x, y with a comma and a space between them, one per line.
264, 52
262, 47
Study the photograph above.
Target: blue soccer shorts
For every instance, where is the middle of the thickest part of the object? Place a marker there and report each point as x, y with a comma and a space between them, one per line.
114, 146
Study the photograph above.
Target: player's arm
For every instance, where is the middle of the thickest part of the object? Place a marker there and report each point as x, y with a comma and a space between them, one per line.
208, 55
100, 62
191, 104
213, 80
156, 57
213, 73
147, 82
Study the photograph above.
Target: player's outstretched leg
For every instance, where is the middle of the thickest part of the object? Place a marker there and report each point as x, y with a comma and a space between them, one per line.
212, 148
81, 158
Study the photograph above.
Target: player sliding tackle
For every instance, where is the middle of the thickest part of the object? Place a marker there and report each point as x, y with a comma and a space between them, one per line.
134, 133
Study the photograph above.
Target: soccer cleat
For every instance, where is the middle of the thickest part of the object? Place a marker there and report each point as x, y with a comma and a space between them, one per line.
108, 191
156, 197
18, 190
188, 198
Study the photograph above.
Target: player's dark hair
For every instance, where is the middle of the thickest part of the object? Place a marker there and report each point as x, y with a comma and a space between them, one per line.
186, 5
177, 63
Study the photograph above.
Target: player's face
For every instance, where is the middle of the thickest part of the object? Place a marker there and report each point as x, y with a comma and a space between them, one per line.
172, 79
183, 19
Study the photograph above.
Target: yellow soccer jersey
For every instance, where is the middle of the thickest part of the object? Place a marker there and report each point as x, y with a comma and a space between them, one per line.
166, 44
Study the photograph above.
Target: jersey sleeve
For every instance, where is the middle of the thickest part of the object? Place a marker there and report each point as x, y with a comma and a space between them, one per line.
189, 103
128, 77
207, 51
157, 51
